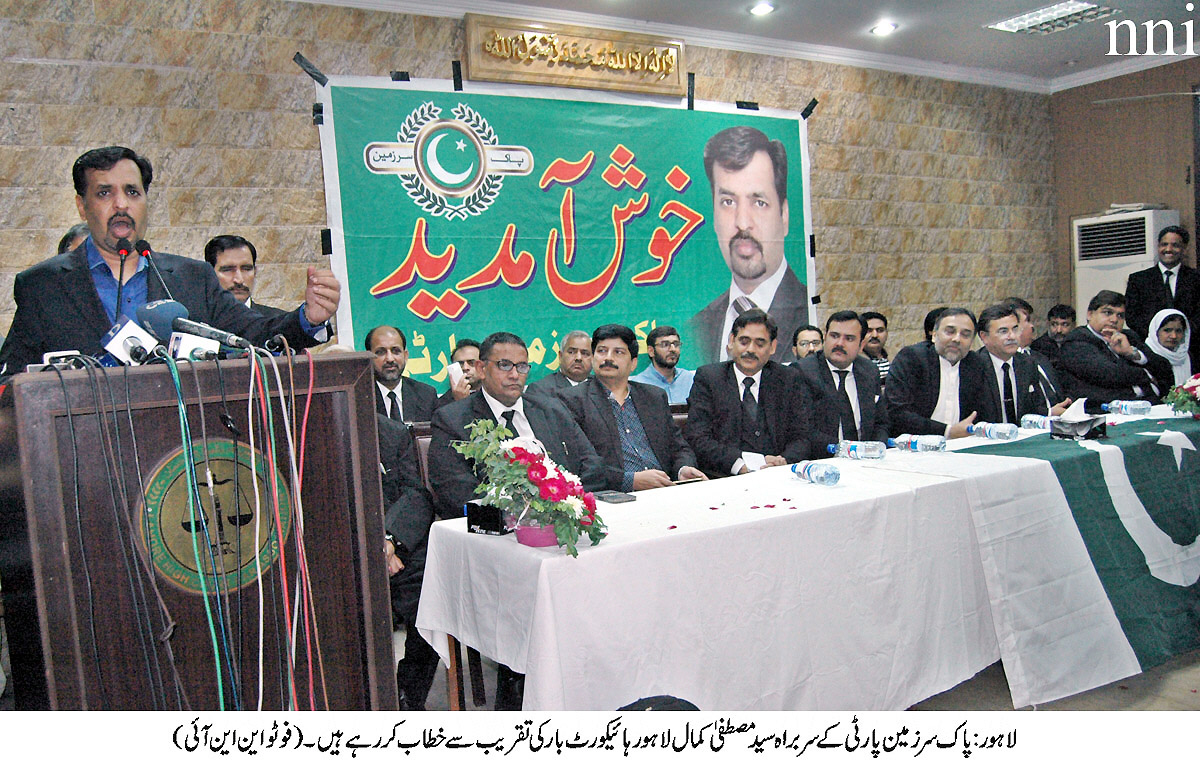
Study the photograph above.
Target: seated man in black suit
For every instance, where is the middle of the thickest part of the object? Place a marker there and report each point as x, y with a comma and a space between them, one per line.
466, 354
1048, 383
235, 261
70, 301
1060, 321
628, 423
397, 396
931, 385
1169, 284
1104, 361
844, 385
505, 362
408, 515
574, 365
1012, 376
749, 412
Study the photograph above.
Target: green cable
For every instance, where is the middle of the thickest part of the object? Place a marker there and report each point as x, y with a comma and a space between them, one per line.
190, 467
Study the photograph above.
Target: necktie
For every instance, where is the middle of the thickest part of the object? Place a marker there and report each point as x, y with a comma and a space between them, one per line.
1010, 402
508, 416
393, 407
846, 414
749, 404
1167, 282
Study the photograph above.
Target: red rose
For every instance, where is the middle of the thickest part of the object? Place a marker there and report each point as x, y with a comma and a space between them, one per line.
521, 455
537, 472
553, 489
586, 519
589, 502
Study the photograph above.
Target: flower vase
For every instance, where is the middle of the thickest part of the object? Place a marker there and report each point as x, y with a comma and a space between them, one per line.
536, 535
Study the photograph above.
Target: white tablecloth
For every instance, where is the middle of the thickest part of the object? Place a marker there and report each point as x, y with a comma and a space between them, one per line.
757, 592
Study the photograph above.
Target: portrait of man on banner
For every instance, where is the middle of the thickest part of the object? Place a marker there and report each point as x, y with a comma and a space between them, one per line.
748, 175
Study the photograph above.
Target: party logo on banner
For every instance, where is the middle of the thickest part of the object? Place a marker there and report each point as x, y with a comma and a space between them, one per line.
450, 168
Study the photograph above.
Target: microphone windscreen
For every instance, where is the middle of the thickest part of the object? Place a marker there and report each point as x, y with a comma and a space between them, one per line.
142, 247
124, 247
158, 317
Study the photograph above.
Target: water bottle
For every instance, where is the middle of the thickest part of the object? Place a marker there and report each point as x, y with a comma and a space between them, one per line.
1035, 421
993, 430
857, 450
1127, 407
817, 473
919, 443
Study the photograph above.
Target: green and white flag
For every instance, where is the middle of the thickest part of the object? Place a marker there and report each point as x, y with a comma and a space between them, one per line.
1133, 501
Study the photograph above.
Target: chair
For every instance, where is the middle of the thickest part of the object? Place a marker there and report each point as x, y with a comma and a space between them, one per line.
422, 435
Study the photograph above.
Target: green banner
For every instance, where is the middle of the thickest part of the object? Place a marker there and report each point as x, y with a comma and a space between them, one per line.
458, 214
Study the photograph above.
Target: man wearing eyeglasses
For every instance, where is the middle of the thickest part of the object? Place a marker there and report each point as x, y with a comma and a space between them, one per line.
663, 347
807, 340
504, 362
504, 367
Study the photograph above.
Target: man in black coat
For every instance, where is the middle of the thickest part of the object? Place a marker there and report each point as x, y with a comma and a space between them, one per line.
69, 302
505, 366
628, 423
1013, 385
749, 412
407, 517
1104, 361
1150, 290
574, 365
235, 261
920, 372
505, 362
844, 385
748, 175
415, 399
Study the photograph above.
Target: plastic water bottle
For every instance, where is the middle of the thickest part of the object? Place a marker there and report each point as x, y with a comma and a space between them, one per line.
1035, 421
1127, 407
919, 443
817, 473
857, 450
993, 430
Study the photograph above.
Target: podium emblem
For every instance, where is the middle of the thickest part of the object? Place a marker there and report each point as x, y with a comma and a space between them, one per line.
205, 534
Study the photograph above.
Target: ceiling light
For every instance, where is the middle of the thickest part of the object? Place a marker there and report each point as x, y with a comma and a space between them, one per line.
883, 29
762, 9
1054, 18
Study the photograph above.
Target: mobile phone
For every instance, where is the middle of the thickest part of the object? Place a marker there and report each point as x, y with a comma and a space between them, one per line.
456, 372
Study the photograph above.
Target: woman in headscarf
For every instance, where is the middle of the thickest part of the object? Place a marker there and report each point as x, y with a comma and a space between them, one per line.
1170, 336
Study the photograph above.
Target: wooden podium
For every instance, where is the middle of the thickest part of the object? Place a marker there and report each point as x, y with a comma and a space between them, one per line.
123, 593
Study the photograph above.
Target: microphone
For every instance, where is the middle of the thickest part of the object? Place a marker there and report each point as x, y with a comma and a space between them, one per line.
124, 340
123, 248
167, 316
143, 249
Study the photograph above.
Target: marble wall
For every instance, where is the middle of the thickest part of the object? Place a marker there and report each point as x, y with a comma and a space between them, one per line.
925, 192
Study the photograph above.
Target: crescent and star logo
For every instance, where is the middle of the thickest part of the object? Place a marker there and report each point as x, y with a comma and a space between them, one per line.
452, 168
221, 537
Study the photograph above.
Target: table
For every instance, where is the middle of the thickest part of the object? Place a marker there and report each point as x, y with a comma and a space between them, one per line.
865, 595
761, 593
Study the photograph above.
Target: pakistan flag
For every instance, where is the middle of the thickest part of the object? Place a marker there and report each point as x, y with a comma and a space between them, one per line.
1135, 499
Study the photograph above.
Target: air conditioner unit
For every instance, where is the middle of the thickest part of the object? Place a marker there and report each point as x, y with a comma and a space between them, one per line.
1107, 248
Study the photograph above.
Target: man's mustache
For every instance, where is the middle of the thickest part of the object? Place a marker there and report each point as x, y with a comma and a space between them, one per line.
608, 365
742, 235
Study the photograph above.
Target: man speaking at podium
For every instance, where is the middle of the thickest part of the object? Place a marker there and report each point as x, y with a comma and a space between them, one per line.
70, 301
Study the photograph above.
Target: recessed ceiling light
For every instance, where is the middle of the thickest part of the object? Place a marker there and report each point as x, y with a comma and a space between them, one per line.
883, 29
762, 9
1054, 18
